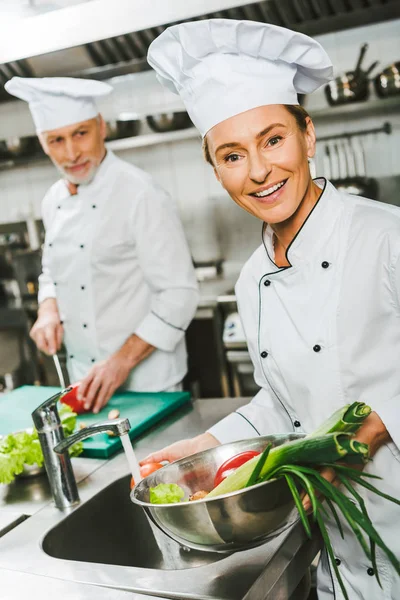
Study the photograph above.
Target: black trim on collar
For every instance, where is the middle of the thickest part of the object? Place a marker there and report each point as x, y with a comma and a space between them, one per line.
297, 234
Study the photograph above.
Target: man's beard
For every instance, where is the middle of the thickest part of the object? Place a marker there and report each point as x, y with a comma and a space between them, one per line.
83, 180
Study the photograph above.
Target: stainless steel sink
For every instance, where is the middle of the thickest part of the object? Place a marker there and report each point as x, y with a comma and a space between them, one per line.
107, 543
110, 529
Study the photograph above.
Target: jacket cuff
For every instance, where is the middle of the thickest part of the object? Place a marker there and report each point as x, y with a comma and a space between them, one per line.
159, 333
233, 428
46, 290
389, 413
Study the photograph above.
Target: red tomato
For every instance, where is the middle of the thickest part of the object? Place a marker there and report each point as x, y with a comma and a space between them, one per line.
231, 464
71, 399
147, 470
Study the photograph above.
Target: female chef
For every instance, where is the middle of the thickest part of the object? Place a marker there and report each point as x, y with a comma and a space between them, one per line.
320, 298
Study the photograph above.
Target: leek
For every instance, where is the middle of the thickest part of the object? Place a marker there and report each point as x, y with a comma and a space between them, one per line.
326, 448
347, 419
308, 450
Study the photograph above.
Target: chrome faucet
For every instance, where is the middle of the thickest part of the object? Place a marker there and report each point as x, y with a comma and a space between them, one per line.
55, 447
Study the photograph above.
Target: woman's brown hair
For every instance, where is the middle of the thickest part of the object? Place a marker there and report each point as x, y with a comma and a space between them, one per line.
298, 112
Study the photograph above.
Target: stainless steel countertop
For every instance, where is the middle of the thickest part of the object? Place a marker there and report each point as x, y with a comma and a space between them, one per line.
24, 565
212, 288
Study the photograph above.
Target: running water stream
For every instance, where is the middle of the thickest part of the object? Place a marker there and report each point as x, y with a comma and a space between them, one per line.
131, 458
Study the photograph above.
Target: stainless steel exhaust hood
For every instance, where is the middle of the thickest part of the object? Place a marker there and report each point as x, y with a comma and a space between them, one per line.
100, 39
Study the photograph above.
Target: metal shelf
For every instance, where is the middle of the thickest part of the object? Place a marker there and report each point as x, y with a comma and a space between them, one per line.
375, 106
138, 141
152, 138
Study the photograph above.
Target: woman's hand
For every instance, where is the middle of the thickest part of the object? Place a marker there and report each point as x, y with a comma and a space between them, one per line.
182, 449
372, 432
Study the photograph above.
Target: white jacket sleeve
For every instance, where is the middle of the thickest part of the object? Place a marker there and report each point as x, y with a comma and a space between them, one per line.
388, 409
261, 416
46, 285
167, 266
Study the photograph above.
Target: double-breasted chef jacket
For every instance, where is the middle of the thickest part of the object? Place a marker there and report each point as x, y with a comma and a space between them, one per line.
323, 333
116, 259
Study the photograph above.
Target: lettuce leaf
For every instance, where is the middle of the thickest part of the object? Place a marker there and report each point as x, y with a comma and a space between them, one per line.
166, 493
23, 447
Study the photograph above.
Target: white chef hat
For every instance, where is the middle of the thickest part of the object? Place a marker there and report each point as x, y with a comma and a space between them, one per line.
58, 101
223, 67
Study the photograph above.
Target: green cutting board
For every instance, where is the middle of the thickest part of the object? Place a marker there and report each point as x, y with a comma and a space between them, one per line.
142, 410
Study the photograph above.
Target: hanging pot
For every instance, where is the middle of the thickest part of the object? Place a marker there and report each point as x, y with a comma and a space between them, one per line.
352, 86
387, 83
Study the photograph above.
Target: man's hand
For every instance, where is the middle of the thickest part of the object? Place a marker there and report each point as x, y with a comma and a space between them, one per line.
108, 375
102, 381
372, 432
182, 449
47, 332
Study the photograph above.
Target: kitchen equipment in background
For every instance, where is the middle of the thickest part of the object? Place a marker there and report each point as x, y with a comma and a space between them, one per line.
240, 366
18, 356
387, 82
4, 154
352, 86
326, 162
10, 296
332, 154
122, 128
27, 267
142, 409
206, 270
171, 121
352, 173
23, 147
344, 160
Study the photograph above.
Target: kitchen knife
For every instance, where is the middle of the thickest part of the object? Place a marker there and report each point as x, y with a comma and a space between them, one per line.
59, 371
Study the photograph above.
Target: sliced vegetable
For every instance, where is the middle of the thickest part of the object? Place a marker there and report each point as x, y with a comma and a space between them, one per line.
166, 493
71, 399
231, 464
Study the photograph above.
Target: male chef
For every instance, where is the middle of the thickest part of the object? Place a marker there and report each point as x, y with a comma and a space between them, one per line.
117, 283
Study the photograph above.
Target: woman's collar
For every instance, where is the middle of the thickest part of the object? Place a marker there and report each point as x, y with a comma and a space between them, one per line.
314, 229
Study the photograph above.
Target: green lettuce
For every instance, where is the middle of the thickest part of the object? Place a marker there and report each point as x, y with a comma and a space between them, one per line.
166, 493
23, 447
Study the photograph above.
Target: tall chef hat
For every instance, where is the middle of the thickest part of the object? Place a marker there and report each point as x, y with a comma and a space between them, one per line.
223, 67
58, 101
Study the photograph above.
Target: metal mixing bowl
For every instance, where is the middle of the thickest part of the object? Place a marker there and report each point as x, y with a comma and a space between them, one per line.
235, 521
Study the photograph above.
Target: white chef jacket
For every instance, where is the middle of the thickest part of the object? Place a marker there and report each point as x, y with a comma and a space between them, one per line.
116, 259
323, 333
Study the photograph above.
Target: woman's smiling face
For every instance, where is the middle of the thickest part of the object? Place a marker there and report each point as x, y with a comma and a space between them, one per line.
261, 158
